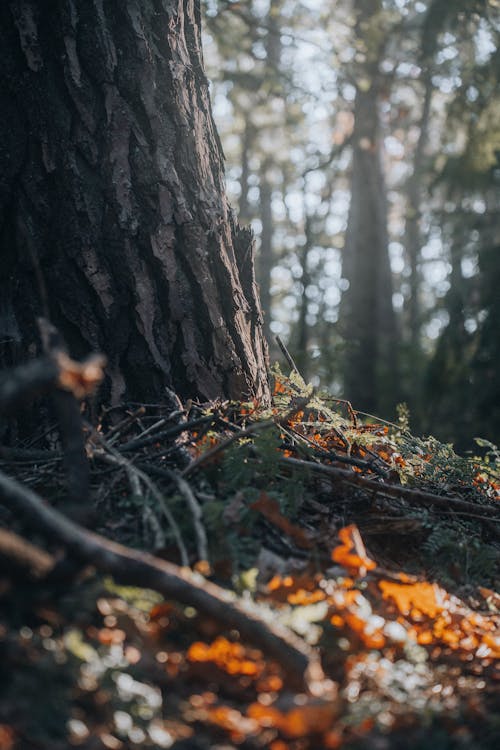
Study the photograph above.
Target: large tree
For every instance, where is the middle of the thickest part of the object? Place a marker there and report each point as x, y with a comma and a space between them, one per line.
367, 315
113, 214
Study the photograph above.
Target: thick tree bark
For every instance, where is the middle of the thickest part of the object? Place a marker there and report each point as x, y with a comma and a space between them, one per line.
111, 192
244, 215
366, 316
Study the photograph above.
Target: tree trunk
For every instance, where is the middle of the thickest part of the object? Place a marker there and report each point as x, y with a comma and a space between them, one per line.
244, 213
265, 256
367, 317
302, 355
113, 213
413, 245
449, 371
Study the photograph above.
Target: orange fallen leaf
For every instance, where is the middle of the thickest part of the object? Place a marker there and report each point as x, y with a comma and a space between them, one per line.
310, 718
415, 596
232, 658
270, 509
351, 554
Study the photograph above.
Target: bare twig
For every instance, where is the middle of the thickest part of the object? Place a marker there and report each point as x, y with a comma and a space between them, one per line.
178, 429
153, 428
155, 526
333, 456
299, 661
29, 455
396, 491
287, 356
211, 452
73, 382
22, 384
119, 429
193, 505
110, 455
24, 554
299, 404
348, 406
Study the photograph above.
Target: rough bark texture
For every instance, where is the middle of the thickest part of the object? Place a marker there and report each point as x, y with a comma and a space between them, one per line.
367, 316
111, 191
244, 213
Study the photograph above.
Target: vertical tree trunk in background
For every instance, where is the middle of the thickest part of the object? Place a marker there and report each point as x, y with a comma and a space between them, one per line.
302, 356
273, 38
485, 364
367, 319
111, 189
413, 244
265, 257
449, 372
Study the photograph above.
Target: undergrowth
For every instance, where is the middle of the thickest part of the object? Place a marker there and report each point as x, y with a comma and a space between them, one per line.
379, 547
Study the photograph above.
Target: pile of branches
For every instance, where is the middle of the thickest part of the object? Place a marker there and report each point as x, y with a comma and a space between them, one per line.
137, 487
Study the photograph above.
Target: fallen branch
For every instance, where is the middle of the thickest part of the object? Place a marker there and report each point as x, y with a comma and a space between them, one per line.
155, 492
135, 444
111, 455
397, 491
225, 443
114, 433
192, 503
131, 567
288, 356
252, 429
24, 555
28, 455
75, 380
21, 385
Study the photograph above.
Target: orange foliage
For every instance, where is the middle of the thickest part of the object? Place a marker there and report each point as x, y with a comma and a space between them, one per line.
413, 598
311, 717
351, 554
232, 721
230, 657
306, 597
281, 389
300, 590
270, 509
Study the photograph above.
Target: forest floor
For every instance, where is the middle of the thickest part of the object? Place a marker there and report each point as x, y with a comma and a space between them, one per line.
343, 575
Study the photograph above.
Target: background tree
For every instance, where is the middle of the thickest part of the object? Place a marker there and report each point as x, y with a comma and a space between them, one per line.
467, 182
367, 316
114, 217
431, 91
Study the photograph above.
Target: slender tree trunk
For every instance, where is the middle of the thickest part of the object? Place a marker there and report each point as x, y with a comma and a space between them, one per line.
265, 257
367, 317
413, 242
273, 38
111, 191
449, 372
302, 341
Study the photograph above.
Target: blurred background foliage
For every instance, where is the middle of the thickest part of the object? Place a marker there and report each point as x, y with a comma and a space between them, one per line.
362, 140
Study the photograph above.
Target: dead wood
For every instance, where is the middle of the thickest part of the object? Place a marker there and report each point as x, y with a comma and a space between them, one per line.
447, 502
132, 567
178, 429
24, 556
21, 385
